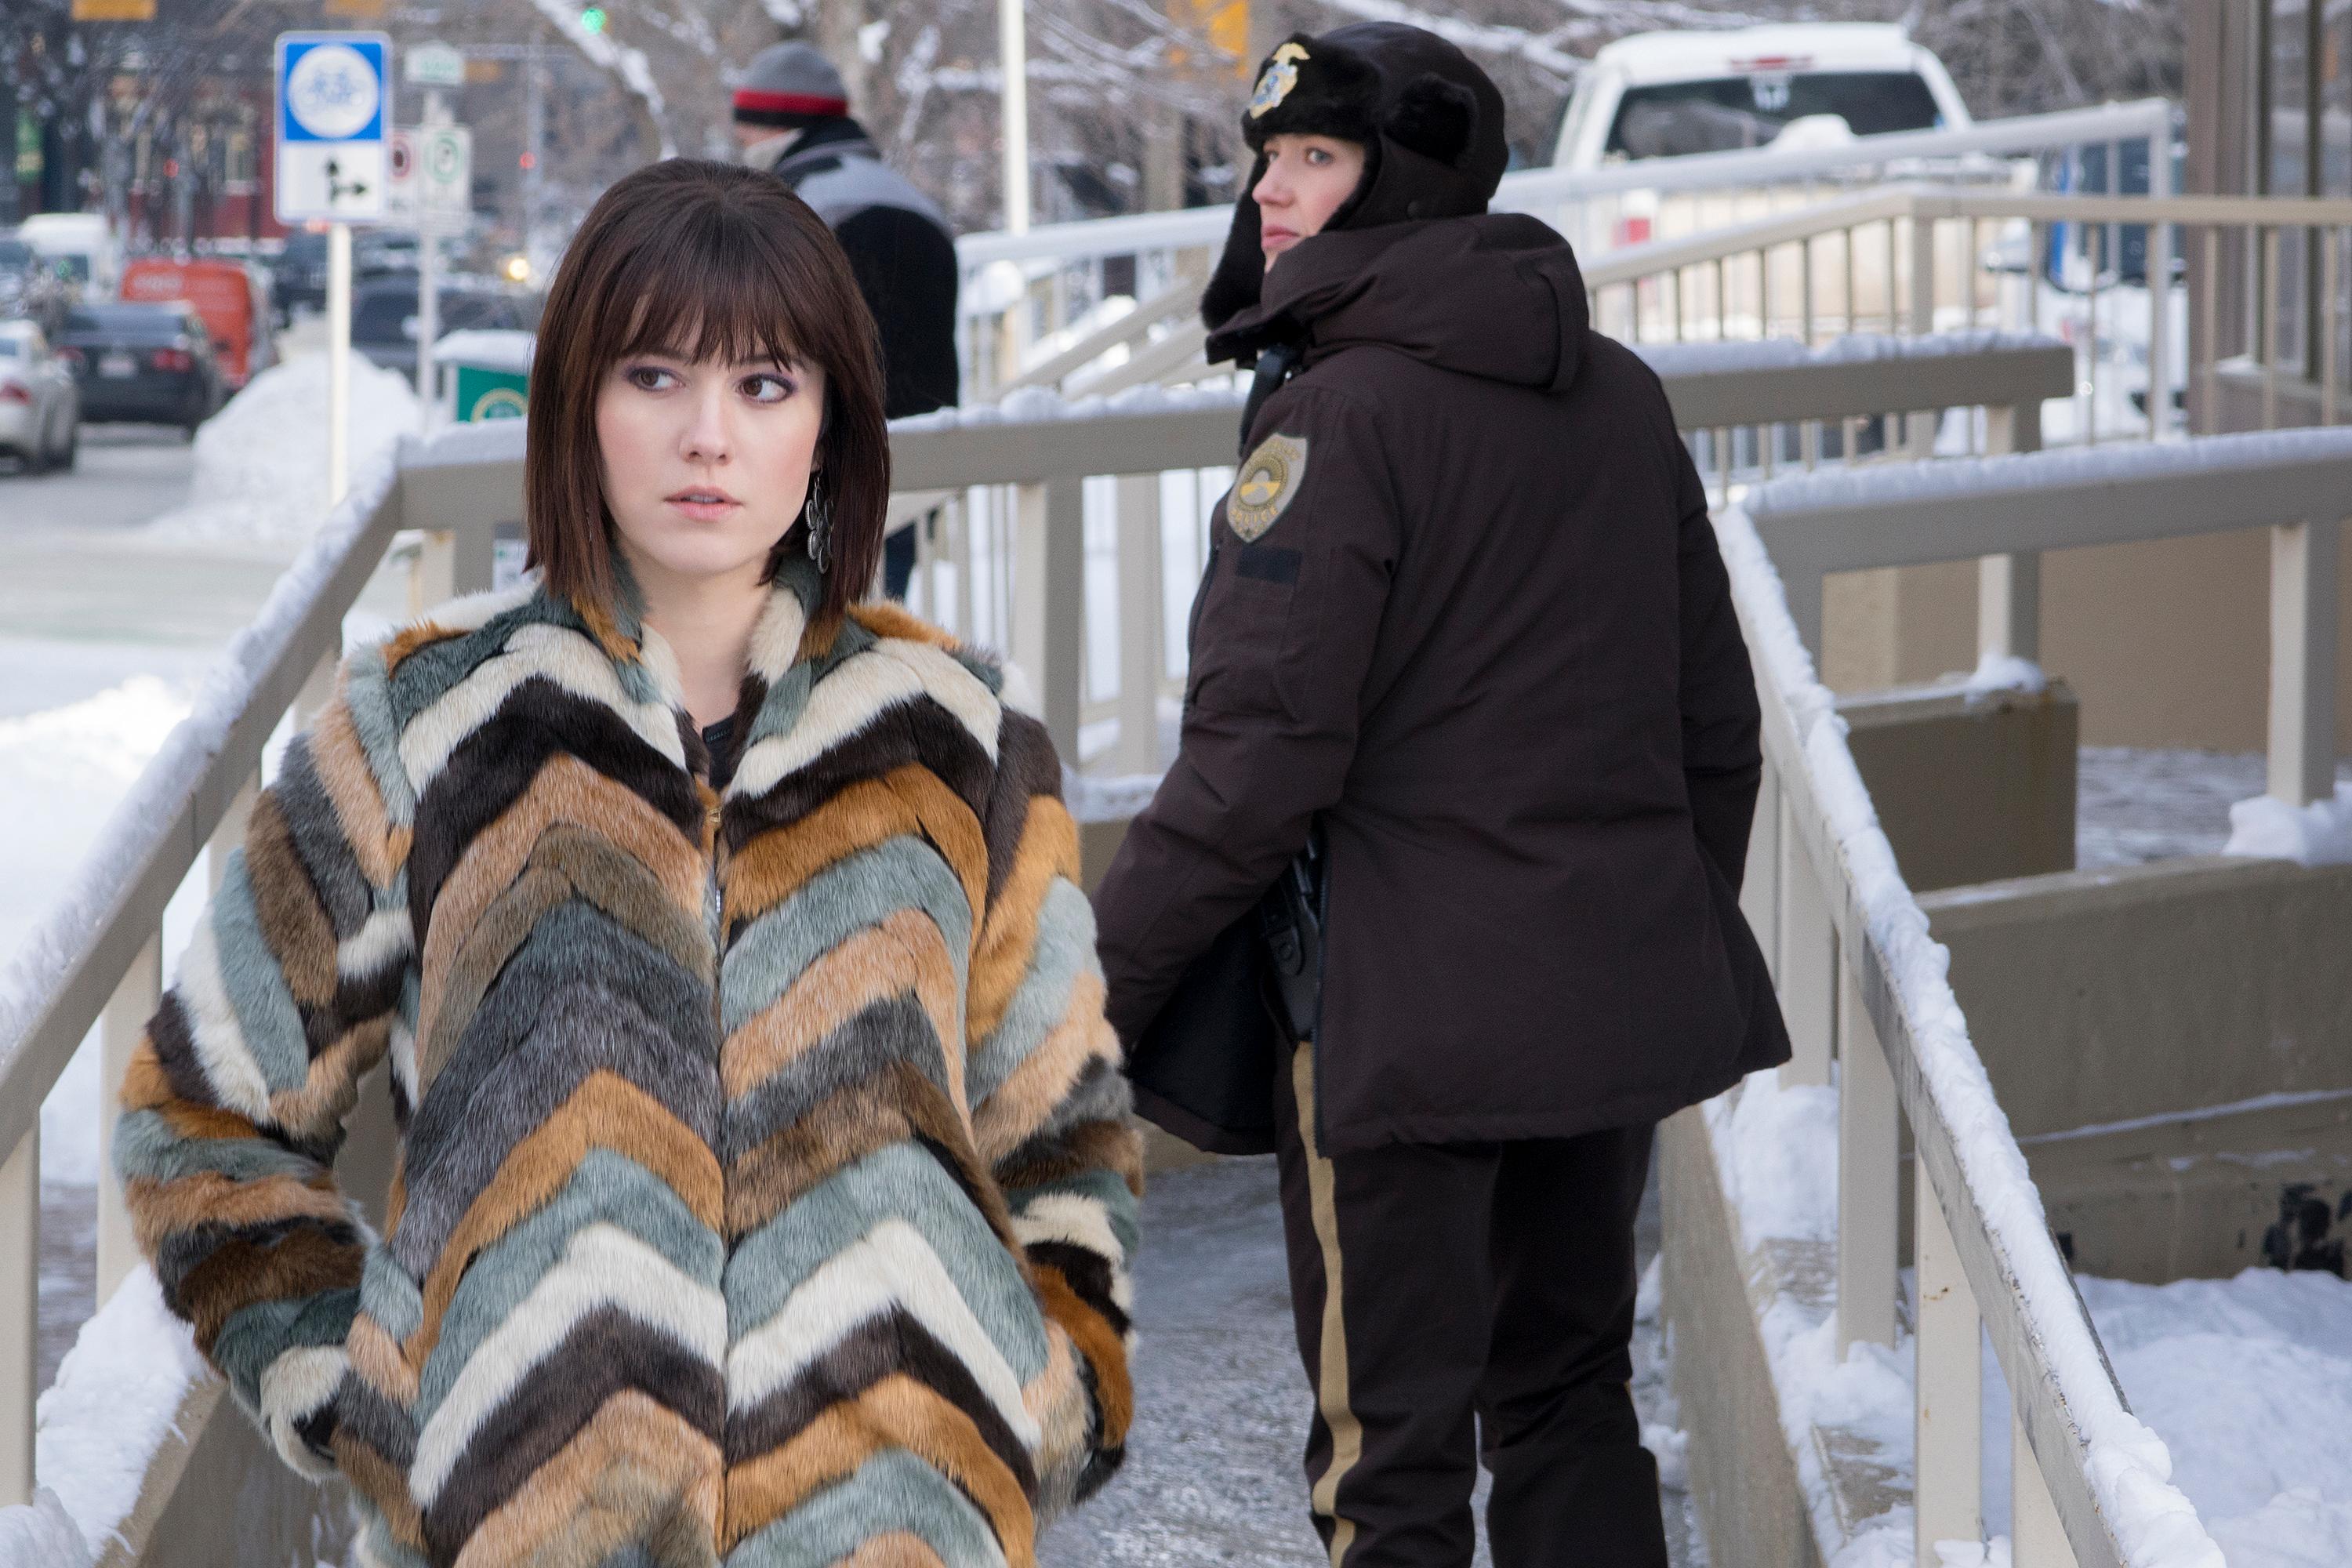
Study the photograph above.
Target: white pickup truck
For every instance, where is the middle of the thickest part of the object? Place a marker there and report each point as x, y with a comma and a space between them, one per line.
1660, 95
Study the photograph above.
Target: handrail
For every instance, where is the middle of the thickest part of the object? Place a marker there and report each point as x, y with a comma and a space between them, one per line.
1529, 188
2107, 1474
2092, 1480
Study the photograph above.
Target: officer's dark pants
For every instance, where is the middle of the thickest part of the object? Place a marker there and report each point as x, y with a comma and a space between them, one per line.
1434, 1283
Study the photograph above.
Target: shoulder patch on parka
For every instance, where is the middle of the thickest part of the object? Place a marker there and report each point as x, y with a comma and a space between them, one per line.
1268, 478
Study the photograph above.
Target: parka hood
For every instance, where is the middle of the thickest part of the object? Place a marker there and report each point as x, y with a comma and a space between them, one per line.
1429, 122
1497, 295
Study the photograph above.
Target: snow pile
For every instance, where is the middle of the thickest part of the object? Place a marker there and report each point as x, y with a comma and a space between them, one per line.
45, 957
261, 462
1999, 672
2127, 1463
60, 772
41, 1531
2319, 834
2250, 1381
476, 441
492, 348
117, 1395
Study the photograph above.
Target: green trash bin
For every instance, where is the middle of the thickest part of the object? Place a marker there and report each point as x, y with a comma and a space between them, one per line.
485, 374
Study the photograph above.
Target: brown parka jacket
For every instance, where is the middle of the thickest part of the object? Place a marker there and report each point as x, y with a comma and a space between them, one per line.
1464, 606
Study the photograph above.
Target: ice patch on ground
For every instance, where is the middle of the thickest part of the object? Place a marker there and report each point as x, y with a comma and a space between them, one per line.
2319, 834
261, 462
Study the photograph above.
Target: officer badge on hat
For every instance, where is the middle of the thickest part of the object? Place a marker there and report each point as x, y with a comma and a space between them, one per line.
1280, 75
1267, 480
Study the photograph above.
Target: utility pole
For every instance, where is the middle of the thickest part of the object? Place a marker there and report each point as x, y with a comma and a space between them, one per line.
1013, 46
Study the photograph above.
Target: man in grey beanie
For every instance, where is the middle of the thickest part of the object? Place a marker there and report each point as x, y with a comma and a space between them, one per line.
791, 116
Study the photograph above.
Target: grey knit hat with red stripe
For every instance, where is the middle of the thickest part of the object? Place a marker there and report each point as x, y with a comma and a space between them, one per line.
790, 85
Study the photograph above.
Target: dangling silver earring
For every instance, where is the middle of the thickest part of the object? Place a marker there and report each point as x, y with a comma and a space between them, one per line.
819, 514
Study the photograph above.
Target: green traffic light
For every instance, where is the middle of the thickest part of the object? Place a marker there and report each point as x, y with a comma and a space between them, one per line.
592, 18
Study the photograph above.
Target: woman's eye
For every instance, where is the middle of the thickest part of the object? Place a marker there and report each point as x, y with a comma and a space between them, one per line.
767, 388
650, 378
1318, 156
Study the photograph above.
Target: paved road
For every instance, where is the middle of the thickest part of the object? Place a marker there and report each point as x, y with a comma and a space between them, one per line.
126, 475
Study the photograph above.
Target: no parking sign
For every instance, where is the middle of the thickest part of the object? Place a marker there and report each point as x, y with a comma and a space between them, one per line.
334, 115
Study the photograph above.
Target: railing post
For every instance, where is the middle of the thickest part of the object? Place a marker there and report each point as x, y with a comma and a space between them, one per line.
1140, 655
1868, 1144
136, 996
433, 575
1049, 588
2009, 587
20, 1313
1809, 959
1759, 888
318, 688
1923, 275
1948, 1469
229, 835
2037, 1535
2303, 662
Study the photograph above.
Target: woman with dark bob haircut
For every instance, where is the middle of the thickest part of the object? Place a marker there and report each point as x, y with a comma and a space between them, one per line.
766, 1190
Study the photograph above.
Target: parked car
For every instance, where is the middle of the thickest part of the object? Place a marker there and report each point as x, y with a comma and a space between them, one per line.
152, 363
383, 315
228, 295
298, 281
40, 407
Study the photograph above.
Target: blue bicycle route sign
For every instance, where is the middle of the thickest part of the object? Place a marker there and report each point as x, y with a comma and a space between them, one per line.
334, 115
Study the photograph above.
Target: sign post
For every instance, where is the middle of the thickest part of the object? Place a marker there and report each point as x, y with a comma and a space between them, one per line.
334, 110
441, 158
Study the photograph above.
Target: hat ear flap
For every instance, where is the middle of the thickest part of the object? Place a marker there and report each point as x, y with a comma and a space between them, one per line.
1240, 276
1436, 117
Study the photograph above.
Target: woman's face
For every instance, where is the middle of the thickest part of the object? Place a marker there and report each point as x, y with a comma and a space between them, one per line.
1306, 179
706, 464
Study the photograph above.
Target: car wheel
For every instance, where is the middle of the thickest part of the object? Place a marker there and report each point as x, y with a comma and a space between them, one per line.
71, 452
35, 458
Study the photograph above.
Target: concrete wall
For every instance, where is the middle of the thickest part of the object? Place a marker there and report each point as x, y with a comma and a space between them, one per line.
2165, 644
1743, 1480
2173, 1046
1969, 791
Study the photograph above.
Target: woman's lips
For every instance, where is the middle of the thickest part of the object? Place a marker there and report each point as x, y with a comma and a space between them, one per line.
1272, 238
703, 505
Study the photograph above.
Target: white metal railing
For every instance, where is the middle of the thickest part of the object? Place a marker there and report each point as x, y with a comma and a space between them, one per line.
1860, 978
1028, 297
1002, 501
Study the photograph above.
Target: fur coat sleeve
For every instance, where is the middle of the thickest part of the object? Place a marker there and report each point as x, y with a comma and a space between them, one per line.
234, 1104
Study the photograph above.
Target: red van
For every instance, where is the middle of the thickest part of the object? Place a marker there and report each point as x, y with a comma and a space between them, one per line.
235, 309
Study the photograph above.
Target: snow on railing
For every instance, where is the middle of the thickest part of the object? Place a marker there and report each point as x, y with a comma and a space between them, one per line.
2093, 1483
1858, 968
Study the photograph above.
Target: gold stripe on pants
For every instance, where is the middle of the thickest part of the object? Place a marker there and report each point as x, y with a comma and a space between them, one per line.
1331, 1391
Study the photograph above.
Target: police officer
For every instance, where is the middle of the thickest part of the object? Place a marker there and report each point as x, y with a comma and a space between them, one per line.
1465, 613
792, 115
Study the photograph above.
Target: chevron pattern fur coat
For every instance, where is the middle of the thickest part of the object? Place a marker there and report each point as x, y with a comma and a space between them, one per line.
766, 1188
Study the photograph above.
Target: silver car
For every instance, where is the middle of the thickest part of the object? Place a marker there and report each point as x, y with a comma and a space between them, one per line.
40, 403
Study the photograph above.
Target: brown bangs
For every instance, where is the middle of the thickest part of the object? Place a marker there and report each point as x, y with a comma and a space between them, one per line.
705, 261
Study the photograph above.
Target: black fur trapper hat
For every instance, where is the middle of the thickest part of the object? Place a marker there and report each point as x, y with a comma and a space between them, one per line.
1430, 121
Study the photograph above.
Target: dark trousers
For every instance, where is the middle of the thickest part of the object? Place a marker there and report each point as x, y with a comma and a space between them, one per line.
1436, 1284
